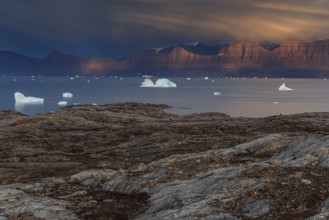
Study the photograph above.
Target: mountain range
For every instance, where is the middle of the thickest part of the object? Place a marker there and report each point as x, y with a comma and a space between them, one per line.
290, 58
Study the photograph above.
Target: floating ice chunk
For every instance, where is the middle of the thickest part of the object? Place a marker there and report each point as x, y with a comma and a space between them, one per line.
206, 78
20, 98
275, 102
160, 83
62, 103
217, 93
147, 83
164, 83
283, 87
67, 95
188, 78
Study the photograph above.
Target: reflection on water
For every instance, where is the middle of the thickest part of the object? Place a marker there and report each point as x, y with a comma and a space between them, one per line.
30, 108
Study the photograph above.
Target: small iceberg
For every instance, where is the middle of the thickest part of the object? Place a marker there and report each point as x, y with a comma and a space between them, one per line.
206, 78
160, 83
188, 78
217, 93
283, 87
62, 103
67, 95
20, 98
147, 83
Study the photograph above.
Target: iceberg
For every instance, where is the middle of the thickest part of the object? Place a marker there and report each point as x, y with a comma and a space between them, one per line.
147, 83
217, 93
62, 103
20, 98
164, 83
67, 95
160, 83
283, 87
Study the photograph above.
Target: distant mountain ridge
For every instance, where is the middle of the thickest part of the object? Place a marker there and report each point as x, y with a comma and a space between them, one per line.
291, 58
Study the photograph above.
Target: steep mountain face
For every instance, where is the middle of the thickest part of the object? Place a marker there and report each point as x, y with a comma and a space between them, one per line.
242, 55
180, 59
317, 53
290, 54
291, 58
58, 63
170, 61
11, 62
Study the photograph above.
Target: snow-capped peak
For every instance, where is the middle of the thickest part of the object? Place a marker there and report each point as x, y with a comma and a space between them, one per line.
160, 48
194, 44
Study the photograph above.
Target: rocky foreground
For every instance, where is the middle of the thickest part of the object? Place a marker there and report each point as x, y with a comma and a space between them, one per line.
134, 161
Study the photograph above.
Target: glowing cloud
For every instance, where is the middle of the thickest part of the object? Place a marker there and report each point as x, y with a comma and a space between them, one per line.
80, 23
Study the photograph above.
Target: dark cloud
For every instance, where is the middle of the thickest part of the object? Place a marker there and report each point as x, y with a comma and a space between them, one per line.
115, 27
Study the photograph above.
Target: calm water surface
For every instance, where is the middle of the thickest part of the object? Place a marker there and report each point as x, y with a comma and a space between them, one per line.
239, 97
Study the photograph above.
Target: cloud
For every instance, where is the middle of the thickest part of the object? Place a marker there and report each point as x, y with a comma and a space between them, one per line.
257, 19
81, 23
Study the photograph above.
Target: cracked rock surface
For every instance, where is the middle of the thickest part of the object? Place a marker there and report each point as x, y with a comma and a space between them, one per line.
134, 161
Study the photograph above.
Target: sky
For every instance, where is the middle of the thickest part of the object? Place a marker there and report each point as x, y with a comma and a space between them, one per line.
103, 28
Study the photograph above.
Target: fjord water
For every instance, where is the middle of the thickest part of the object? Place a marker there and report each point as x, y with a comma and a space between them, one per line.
254, 97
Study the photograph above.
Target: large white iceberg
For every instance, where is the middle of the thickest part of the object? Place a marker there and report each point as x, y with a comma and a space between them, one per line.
164, 83
20, 98
67, 95
283, 87
160, 83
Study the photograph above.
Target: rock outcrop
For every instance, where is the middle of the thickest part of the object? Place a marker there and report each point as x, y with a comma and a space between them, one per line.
134, 161
291, 58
